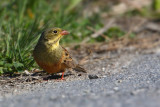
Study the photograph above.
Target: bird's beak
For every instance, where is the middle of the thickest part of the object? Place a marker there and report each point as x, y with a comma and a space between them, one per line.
64, 32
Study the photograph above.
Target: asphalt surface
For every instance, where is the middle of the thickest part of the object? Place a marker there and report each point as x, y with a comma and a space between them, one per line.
138, 85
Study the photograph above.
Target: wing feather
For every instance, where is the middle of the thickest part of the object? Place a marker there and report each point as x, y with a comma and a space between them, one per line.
70, 63
67, 59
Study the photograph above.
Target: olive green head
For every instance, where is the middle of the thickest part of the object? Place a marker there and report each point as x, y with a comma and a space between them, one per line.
54, 34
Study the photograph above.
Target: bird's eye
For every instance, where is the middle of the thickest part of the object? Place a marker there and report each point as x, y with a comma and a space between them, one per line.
54, 31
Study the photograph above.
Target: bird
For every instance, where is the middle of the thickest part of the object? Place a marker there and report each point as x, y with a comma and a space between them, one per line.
51, 56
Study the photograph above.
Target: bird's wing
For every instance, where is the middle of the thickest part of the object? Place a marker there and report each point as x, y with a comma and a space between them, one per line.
70, 63
67, 59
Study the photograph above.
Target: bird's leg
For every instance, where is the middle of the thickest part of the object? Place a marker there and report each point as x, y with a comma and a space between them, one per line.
62, 78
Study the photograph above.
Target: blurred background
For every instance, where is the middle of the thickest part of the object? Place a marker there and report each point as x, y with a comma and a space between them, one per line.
117, 23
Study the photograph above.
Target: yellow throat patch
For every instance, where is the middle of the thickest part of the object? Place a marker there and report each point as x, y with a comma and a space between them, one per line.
54, 43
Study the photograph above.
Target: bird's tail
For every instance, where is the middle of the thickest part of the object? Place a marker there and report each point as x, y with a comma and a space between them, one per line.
79, 69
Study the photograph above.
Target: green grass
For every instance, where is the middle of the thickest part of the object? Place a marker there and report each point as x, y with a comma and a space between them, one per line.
150, 12
156, 5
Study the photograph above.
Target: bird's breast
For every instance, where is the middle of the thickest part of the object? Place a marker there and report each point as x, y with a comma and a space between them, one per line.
47, 54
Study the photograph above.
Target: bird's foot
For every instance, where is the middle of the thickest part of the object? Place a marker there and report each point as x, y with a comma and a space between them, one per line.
62, 77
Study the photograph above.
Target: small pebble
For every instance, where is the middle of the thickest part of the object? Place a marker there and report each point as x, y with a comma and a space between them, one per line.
124, 67
104, 76
115, 88
92, 76
63, 96
79, 74
103, 69
27, 72
119, 81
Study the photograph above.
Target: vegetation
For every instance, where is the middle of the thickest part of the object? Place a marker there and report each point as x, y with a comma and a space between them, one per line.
22, 21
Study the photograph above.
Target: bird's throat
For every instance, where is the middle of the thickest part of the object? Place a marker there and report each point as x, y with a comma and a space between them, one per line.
55, 46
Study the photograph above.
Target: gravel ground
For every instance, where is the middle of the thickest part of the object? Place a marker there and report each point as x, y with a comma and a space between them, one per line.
135, 85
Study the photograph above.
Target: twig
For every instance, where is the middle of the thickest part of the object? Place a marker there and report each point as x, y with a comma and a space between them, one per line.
104, 36
102, 30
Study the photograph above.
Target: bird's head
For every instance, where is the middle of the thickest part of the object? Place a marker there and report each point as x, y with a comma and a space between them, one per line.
53, 35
